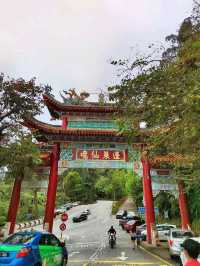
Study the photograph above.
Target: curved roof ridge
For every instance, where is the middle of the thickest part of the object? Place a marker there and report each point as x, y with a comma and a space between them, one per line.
35, 124
56, 107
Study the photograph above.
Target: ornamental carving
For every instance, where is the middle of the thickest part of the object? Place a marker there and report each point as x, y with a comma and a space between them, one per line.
71, 97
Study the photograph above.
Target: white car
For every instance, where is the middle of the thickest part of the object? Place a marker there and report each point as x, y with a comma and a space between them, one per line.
87, 212
175, 239
74, 204
120, 214
162, 229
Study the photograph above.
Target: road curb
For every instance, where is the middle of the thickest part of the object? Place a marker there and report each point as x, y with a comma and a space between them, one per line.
150, 252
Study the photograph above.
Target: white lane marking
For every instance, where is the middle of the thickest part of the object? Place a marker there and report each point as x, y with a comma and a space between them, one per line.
98, 251
73, 253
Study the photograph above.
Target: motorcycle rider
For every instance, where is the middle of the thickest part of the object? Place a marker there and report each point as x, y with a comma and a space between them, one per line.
112, 231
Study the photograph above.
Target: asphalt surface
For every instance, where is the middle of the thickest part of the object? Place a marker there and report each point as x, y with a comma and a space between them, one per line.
87, 241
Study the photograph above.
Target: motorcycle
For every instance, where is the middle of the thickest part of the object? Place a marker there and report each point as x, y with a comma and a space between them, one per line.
112, 240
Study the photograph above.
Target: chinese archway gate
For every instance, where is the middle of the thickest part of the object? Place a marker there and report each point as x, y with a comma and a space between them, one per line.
88, 138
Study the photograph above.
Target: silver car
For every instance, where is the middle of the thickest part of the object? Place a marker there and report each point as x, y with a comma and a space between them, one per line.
175, 239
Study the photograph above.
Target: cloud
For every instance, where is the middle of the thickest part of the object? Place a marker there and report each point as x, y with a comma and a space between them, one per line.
68, 43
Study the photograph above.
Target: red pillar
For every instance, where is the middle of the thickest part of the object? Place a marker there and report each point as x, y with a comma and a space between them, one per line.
14, 204
52, 188
183, 206
64, 122
148, 198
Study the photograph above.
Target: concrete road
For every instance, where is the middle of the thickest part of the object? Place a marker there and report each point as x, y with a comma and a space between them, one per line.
87, 241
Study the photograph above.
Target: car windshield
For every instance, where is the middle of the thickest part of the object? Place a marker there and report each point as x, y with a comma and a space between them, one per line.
19, 239
181, 234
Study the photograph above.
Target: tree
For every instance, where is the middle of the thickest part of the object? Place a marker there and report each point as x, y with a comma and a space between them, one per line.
118, 180
103, 187
164, 94
21, 159
18, 98
73, 186
135, 189
165, 201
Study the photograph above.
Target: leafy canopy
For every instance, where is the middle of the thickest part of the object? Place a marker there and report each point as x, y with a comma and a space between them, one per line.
18, 98
163, 90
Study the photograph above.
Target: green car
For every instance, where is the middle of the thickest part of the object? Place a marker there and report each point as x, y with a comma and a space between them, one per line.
33, 249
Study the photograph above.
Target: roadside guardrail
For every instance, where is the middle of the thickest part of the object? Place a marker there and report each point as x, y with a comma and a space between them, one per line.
29, 224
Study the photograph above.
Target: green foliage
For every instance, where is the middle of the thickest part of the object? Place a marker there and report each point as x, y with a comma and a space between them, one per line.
5, 190
162, 89
117, 204
87, 185
165, 201
3, 214
27, 207
103, 187
165, 94
73, 186
193, 199
135, 189
21, 159
18, 98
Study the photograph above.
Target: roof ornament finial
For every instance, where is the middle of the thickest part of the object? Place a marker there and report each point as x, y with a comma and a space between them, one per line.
101, 99
71, 97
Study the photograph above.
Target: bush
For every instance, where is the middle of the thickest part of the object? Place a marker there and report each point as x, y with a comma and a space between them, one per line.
196, 226
117, 204
3, 213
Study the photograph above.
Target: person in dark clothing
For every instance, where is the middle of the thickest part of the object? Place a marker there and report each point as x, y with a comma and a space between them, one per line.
112, 231
125, 213
138, 236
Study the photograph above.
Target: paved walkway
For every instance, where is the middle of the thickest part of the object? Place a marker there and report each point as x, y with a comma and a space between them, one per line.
128, 205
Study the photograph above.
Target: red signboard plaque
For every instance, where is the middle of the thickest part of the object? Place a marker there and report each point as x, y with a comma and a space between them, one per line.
115, 155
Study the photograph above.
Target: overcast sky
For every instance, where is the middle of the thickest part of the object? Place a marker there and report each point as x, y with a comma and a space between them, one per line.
68, 43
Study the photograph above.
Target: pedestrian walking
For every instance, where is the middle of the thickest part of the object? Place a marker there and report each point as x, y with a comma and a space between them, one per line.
138, 236
133, 238
191, 251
